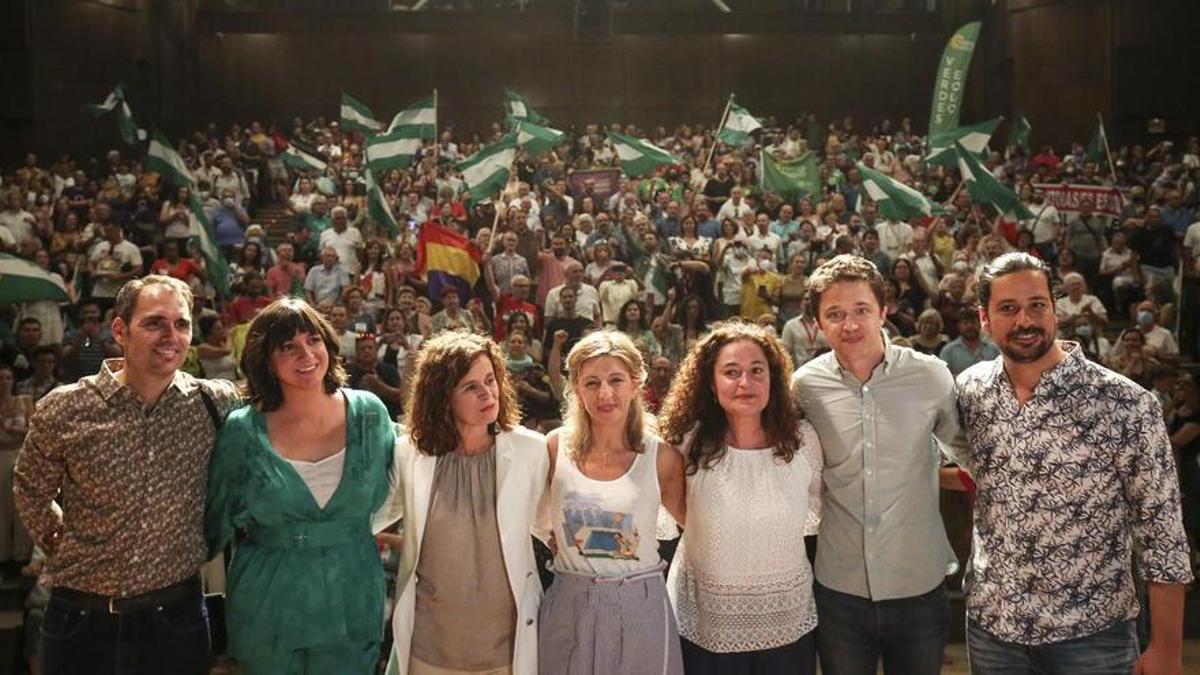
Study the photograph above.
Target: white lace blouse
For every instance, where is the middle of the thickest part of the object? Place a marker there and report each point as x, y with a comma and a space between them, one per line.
740, 580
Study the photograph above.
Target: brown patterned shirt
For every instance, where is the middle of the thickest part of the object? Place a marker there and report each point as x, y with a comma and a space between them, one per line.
131, 481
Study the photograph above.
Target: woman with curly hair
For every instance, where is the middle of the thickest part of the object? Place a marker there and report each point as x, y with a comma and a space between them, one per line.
753, 494
303, 472
633, 322
607, 611
467, 589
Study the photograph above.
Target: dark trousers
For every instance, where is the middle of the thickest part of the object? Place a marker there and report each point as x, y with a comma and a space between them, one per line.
908, 634
796, 658
80, 639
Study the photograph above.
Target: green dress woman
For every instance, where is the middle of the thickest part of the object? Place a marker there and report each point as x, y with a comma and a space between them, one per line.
303, 474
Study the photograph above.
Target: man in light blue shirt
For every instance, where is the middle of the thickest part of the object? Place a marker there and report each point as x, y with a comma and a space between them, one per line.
970, 347
882, 552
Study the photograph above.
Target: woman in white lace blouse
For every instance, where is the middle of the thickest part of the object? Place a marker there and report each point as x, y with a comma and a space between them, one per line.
740, 582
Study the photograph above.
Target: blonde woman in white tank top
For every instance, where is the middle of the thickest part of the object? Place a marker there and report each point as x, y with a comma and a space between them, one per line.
607, 610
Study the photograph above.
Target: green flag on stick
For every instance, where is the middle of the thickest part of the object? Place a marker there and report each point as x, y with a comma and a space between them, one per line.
951, 80
895, 200
115, 101
1018, 136
356, 116
487, 171
640, 157
983, 187
791, 178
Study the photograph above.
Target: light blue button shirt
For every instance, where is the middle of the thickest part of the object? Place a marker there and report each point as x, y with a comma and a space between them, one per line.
881, 533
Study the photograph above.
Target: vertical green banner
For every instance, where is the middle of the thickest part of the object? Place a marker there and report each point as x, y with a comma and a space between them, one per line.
952, 78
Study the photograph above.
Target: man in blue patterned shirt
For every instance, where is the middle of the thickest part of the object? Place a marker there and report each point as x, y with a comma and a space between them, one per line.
1074, 473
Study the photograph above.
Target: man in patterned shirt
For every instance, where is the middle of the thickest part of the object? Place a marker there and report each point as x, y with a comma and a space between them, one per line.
1074, 473
125, 452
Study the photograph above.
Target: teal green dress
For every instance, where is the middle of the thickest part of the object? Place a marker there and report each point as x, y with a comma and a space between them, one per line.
306, 585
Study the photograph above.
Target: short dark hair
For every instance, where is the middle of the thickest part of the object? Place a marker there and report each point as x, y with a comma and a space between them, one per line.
128, 295
843, 268
1009, 263
275, 325
30, 319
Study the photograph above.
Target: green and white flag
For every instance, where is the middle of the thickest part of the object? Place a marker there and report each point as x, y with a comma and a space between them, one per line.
983, 187
487, 171
356, 116
394, 150
534, 139
515, 106
23, 281
1097, 149
299, 160
163, 159
420, 118
738, 125
896, 201
640, 157
377, 206
115, 100
974, 137
951, 80
1018, 136
791, 178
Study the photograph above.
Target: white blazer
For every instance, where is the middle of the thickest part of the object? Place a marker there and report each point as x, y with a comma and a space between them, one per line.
522, 463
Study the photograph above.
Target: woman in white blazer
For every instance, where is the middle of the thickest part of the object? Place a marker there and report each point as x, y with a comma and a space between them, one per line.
467, 590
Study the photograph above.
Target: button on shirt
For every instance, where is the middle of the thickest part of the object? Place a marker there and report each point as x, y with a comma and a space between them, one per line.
1068, 485
131, 481
881, 532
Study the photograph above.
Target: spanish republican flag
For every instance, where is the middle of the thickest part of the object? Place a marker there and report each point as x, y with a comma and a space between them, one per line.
448, 260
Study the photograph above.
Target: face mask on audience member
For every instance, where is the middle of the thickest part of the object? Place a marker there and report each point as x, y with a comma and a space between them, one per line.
1146, 317
1083, 331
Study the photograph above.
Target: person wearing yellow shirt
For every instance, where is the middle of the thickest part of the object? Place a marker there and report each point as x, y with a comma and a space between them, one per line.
761, 286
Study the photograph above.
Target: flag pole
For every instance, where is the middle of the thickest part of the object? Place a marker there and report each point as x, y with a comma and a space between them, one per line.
437, 146
713, 149
1107, 151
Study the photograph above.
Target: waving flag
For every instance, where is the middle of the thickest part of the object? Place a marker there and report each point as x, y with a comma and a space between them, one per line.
951, 79
895, 200
974, 137
738, 124
487, 171
163, 159
533, 139
377, 205
791, 178
640, 157
515, 106
130, 133
984, 187
447, 259
298, 159
356, 116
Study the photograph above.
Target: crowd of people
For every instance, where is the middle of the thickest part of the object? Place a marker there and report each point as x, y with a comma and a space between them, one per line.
689, 295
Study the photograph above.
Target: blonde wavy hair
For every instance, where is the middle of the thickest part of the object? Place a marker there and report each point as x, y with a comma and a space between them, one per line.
577, 424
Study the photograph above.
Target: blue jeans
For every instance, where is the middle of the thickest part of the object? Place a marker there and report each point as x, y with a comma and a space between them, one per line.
79, 639
1112, 651
854, 633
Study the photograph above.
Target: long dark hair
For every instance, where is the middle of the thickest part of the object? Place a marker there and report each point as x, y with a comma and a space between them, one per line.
692, 413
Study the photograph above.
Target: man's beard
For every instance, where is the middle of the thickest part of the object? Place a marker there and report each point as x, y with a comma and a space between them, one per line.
1022, 354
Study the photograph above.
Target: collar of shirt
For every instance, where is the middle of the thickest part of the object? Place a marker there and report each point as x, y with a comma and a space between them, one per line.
1062, 375
108, 384
891, 354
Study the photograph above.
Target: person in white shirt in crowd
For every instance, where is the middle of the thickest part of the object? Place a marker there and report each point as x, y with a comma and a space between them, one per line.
587, 299
736, 207
1078, 305
609, 475
753, 468
346, 239
616, 290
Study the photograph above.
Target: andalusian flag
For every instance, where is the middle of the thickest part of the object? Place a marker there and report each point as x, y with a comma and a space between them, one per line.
640, 157
420, 119
738, 125
300, 160
447, 259
896, 201
163, 159
984, 187
515, 106
356, 116
1097, 149
377, 205
791, 178
487, 171
125, 125
534, 139
974, 138
1018, 136
23, 281
393, 150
